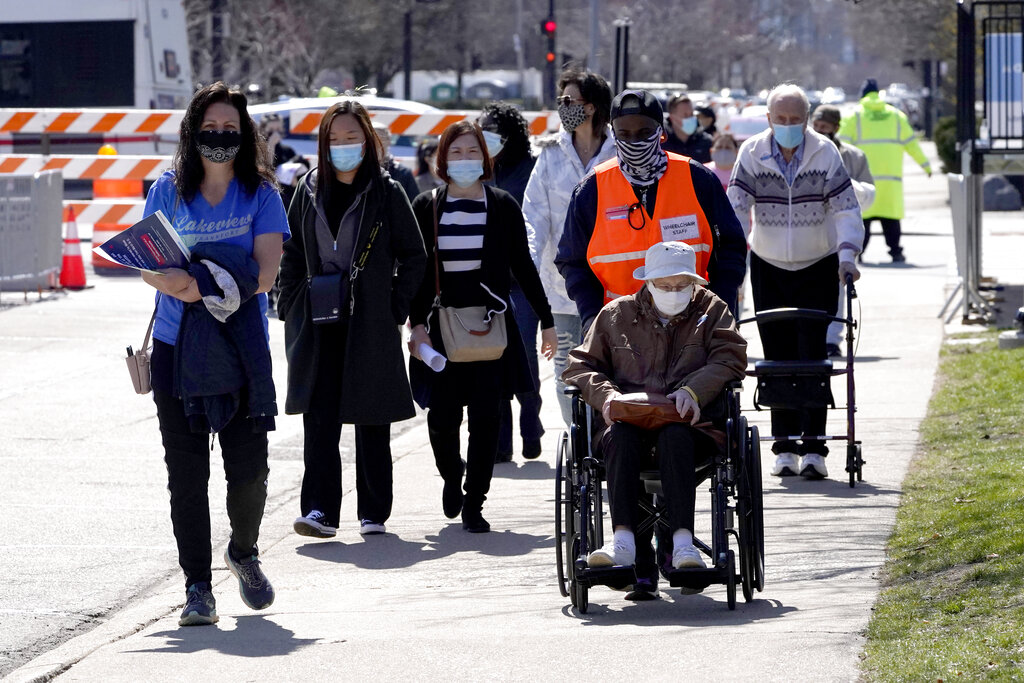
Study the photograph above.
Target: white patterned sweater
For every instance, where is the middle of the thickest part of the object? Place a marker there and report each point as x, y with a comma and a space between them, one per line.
796, 226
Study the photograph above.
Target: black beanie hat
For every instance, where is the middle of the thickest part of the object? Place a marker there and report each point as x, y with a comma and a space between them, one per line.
870, 85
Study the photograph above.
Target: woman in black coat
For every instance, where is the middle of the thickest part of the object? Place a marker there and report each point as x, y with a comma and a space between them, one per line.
481, 245
355, 238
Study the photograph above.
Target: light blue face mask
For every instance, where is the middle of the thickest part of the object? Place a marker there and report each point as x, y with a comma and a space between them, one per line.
788, 137
346, 157
465, 172
494, 143
690, 125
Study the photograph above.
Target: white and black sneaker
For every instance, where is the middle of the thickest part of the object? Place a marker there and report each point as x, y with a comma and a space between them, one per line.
812, 466
314, 524
786, 465
369, 528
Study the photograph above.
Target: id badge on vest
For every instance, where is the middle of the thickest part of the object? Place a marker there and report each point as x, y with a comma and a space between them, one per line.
680, 228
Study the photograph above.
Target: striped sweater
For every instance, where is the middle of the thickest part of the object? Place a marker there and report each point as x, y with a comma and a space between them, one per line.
796, 225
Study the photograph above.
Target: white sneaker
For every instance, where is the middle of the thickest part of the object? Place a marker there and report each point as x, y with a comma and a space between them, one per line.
612, 555
687, 556
812, 466
786, 465
314, 525
368, 528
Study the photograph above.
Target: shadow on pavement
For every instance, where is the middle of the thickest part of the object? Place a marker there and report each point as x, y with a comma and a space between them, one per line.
391, 552
834, 488
675, 609
253, 636
532, 470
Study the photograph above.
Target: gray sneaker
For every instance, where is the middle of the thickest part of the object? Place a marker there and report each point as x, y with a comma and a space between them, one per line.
314, 524
200, 607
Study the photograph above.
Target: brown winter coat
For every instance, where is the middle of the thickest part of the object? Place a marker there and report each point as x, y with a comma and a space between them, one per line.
629, 349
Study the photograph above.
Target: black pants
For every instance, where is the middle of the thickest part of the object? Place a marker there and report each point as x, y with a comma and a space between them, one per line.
890, 229
321, 452
627, 452
187, 456
530, 426
443, 423
816, 287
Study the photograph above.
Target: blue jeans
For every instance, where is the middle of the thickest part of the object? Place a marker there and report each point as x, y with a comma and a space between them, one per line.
569, 329
530, 427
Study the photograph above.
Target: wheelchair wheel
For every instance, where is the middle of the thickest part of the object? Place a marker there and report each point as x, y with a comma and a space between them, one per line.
730, 581
562, 535
750, 508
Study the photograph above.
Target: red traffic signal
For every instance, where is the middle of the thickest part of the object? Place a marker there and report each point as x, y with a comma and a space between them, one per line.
550, 26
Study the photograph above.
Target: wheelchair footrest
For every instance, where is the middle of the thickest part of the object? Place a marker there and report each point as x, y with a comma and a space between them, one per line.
616, 577
695, 578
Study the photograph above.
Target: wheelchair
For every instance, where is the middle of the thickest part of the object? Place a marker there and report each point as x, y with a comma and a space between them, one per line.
808, 383
734, 474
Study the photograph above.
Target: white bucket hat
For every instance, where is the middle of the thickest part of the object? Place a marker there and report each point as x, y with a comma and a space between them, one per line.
666, 259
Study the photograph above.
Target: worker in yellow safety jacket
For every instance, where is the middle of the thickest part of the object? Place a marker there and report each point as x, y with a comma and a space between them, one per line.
883, 133
640, 198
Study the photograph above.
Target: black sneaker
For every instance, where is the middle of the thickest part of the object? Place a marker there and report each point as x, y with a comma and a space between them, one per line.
200, 607
474, 523
451, 498
253, 584
899, 258
502, 456
531, 449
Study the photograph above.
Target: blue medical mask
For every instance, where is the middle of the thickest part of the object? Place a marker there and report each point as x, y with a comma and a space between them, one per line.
465, 172
346, 157
788, 137
689, 125
494, 143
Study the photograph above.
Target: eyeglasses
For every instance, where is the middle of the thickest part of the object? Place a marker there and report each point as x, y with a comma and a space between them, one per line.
636, 207
565, 101
671, 288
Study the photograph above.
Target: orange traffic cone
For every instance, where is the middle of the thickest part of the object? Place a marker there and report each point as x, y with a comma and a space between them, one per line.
72, 269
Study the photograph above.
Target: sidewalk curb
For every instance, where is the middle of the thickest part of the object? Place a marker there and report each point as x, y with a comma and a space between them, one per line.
166, 597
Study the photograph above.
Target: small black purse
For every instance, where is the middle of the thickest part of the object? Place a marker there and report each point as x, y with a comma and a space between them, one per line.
327, 295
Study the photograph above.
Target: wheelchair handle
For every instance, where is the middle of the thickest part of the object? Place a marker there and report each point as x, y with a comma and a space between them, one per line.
850, 288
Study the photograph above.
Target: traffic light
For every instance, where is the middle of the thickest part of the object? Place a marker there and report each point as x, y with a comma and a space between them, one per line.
548, 28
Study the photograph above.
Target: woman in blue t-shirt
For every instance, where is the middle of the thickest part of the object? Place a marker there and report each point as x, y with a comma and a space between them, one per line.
211, 370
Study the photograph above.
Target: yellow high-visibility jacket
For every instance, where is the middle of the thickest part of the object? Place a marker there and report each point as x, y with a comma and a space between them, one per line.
883, 133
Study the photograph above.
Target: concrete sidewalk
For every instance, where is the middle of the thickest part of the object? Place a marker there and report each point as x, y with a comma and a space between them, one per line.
428, 601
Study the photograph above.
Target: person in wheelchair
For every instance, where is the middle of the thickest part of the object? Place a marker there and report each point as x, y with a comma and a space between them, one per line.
675, 338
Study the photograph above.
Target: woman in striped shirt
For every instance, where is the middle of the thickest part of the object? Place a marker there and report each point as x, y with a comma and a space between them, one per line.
480, 244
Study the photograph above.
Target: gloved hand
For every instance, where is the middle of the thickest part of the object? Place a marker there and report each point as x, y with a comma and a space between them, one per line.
848, 268
685, 405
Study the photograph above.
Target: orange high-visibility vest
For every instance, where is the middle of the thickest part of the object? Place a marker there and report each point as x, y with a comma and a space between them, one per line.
616, 249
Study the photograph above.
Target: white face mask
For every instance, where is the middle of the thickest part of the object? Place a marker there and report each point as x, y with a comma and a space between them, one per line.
671, 303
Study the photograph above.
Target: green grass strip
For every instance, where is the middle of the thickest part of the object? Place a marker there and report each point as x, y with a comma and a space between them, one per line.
952, 604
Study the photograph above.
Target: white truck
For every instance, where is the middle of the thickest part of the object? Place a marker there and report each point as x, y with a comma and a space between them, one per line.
94, 53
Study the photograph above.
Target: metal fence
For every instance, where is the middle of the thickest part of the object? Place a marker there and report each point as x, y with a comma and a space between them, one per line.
30, 230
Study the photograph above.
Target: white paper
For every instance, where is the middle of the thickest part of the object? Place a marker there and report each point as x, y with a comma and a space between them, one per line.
431, 357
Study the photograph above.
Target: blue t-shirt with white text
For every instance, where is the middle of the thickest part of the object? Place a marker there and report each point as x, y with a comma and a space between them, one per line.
236, 219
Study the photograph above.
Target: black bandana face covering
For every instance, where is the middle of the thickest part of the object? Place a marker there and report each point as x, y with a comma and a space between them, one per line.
218, 146
643, 163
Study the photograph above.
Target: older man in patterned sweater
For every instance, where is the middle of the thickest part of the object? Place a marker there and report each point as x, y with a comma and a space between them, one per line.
806, 234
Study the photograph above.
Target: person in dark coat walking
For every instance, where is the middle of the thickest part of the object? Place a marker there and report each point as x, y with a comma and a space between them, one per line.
354, 237
508, 142
480, 245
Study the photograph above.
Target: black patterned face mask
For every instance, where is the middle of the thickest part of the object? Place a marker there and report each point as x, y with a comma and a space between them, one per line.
218, 146
571, 115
